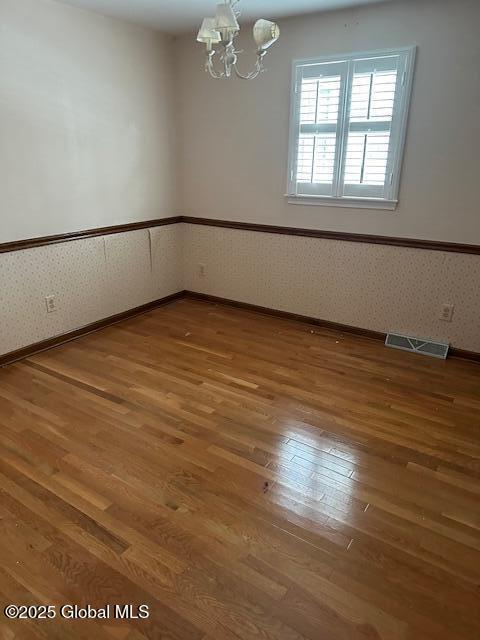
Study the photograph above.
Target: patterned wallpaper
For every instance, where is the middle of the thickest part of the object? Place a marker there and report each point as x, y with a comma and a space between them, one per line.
91, 279
377, 287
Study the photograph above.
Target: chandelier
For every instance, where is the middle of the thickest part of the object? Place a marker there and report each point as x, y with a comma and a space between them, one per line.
222, 30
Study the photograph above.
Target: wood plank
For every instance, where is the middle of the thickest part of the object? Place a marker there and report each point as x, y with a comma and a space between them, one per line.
244, 475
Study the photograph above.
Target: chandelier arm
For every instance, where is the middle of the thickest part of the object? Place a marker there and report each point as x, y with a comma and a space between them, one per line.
250, 76
210, 67
259, 68
214, 74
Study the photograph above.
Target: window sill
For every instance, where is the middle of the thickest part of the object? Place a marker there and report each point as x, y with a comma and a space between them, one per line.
353, 203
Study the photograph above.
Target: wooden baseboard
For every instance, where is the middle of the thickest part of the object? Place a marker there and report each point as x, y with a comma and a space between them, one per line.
30, 350
25, 352
463, 354
327, 324
346, 328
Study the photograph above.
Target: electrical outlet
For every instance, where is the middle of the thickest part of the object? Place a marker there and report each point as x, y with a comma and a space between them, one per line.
446, 312
202, 270
51, 304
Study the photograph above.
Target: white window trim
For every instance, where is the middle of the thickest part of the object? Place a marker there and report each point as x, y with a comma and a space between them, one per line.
388, 203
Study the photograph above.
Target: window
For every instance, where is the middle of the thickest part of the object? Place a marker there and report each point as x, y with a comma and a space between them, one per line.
348, 125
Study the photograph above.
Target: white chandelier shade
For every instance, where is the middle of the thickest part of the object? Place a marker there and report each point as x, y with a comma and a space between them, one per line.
208, 34
226, 21
265, 33
222, 30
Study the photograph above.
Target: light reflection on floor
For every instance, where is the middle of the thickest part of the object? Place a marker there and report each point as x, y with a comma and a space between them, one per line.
314, 481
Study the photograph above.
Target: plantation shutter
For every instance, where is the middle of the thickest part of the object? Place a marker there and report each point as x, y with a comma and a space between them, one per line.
321, 90
348, 123
370, 111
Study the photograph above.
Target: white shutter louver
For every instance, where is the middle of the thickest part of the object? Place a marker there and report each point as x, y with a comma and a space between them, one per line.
367, 156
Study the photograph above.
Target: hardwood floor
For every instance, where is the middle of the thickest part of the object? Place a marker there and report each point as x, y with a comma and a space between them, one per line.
246, 477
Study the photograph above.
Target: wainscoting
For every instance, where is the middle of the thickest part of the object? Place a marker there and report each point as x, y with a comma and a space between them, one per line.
372, 286
396, 285
91, 278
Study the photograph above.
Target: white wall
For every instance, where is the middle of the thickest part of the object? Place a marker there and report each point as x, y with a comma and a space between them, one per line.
234, 135
87, 130
87, 139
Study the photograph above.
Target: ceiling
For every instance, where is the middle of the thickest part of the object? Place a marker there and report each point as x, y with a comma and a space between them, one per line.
177, 16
